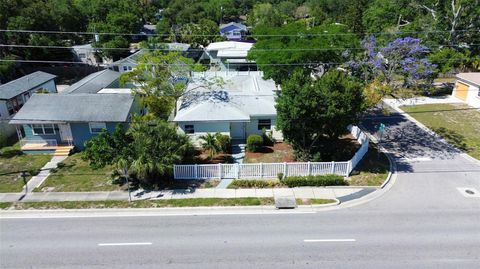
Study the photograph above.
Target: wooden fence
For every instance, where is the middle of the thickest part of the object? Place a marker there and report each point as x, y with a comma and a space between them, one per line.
271, 170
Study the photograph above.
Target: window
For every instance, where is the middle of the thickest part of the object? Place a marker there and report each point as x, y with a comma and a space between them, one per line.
189, 129
43, 129
97, 127
82, 55
130, 68
267, 124
125, 68
11, 109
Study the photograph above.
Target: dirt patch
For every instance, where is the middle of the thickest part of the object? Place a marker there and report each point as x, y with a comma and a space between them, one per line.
278, 153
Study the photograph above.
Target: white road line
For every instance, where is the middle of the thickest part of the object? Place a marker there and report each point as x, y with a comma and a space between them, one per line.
124, 244
328, 240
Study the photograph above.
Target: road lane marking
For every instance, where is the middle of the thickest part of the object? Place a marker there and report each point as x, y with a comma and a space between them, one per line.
328, 240
124, 244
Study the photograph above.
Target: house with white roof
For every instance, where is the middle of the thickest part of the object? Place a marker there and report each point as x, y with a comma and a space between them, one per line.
467, 88
230, 55
243, 105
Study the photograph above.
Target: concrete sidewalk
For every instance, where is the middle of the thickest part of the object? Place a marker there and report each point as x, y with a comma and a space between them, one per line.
340, 193
422, 101
37, 180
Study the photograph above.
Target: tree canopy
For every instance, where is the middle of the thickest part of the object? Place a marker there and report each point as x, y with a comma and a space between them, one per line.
311, 110
300, 47
146, 150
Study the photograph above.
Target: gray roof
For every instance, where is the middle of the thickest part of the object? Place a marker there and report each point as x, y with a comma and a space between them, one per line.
238, 25
473, 77
238, 98
75, 108
23, 84
94, 82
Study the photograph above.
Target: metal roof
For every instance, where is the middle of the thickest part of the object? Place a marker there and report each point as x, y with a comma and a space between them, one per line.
75, 108
236, 24
240, 97
93, 83
24, 84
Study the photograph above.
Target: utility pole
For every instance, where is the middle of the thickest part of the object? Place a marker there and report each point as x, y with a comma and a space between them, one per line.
24, 177
125, 171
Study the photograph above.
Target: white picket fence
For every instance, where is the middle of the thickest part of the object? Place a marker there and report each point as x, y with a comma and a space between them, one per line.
271, 170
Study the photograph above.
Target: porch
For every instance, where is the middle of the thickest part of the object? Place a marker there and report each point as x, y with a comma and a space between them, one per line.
46, 146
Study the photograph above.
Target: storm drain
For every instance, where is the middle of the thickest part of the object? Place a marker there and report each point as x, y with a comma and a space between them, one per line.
469, 192
285, 202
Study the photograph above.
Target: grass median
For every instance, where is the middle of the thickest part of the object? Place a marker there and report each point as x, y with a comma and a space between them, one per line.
311, 201
193, 202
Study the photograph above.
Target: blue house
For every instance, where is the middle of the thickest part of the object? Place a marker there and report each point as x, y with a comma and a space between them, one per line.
56, 123
14, 94
233, 31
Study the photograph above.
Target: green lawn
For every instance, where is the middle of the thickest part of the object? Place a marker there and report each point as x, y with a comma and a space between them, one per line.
193, 202
372, 170
13, 160
311, 201
459, 124
75, 174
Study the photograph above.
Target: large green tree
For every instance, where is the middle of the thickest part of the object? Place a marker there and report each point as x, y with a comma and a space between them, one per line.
160, 79
309, 111
296, 46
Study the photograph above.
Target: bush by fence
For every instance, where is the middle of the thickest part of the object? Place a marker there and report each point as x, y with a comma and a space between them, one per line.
319, 181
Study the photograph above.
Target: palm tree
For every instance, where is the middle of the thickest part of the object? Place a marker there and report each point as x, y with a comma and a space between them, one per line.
210, 144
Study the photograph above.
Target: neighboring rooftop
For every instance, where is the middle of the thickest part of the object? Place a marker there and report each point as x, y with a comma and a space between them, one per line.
473, 77
241, 96
94, 82
230, 48
75, 108
236, 24
23, 84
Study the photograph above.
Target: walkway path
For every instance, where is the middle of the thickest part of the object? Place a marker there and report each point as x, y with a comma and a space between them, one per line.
341, 193
37, 180
238, 151
422, 101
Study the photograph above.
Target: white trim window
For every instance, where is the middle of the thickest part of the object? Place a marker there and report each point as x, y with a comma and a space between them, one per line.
96, 127
264, 123
43, 129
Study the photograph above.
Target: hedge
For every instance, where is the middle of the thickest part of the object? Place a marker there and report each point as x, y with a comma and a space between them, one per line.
324, 180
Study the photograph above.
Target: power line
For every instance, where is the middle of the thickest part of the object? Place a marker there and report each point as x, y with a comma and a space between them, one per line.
161, 64
233, 49
299, 34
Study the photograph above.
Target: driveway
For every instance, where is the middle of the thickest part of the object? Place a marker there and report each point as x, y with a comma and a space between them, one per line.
429, 170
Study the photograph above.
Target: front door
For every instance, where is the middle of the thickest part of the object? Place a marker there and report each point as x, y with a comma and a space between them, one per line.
65, 132
237, 130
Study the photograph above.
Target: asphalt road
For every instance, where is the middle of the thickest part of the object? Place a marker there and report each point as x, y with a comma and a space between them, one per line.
424, 221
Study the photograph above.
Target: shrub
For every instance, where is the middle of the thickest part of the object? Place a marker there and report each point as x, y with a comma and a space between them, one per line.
223, 142
324, 180
267, 136
254, 142
280, 176
253, 183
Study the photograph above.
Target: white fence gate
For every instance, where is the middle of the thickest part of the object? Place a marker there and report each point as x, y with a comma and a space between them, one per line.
271, 170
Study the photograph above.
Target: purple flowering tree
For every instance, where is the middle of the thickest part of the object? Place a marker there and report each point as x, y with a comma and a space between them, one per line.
403, 57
